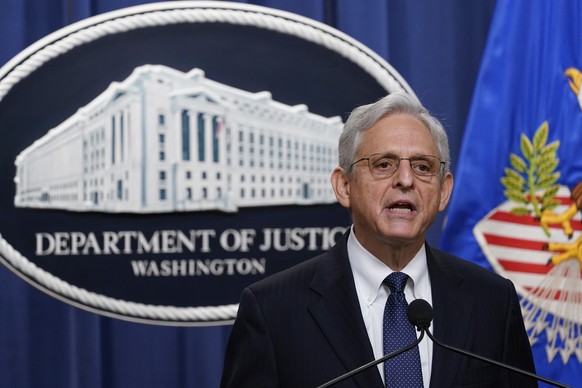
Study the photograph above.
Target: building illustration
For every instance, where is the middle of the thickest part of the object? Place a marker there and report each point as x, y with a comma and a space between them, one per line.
167, 141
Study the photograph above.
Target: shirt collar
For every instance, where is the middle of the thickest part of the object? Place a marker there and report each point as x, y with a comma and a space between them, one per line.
369, 272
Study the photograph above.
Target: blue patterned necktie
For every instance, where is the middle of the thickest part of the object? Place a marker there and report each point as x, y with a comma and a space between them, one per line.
403, 370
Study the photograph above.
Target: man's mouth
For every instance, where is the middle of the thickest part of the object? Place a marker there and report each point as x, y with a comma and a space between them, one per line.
402, 207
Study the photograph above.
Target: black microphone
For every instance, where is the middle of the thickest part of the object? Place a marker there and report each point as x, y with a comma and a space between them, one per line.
420, 314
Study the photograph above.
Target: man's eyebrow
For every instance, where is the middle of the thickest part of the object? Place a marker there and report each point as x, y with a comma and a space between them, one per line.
392, 154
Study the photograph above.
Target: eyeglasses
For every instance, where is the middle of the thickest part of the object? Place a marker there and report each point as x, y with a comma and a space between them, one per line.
385, 165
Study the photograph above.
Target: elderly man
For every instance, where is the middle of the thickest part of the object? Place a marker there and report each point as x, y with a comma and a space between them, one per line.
335, 312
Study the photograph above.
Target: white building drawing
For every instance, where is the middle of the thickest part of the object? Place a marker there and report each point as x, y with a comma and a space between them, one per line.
163, 141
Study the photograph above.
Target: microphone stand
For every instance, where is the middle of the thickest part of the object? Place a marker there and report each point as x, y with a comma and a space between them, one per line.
375, 362
497, 363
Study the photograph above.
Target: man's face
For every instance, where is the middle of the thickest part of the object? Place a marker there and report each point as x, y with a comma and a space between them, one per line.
395, 210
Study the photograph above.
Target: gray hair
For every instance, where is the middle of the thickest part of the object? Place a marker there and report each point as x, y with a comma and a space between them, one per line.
365, 116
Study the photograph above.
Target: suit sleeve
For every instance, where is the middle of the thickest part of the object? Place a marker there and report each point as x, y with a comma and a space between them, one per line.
250, 359
517, 351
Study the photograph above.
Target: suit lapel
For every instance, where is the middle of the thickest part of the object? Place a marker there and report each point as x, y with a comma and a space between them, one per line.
338, 315
452, 316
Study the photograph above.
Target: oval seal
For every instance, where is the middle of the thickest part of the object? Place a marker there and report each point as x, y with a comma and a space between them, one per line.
161, 157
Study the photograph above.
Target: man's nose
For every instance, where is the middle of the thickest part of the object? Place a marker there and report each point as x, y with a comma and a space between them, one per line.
404, 176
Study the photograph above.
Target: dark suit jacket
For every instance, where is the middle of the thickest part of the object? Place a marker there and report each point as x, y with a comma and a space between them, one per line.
303, 327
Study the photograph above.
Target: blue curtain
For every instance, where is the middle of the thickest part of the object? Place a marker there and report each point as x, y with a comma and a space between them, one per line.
436, 46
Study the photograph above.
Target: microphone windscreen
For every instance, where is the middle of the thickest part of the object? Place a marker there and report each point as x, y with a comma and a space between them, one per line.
419, 313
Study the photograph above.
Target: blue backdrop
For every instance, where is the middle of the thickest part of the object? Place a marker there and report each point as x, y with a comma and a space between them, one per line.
436, 46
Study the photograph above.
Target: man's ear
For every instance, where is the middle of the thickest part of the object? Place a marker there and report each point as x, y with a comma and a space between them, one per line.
341, 186
446, 190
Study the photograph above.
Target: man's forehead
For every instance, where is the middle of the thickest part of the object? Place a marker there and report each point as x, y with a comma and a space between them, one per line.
398, 139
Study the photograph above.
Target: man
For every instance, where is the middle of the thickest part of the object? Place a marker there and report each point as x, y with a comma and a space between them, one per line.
324, 317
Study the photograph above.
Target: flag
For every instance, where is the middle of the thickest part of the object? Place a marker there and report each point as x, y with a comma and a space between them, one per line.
516, 205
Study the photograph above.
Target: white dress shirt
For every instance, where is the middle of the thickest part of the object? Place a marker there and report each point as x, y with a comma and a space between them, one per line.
369, 273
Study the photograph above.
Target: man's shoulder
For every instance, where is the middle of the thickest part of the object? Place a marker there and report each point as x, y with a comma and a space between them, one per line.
301, 272
466, 269
287, 290
327, 265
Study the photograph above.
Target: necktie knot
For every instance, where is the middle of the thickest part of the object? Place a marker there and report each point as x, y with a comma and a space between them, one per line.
396, 281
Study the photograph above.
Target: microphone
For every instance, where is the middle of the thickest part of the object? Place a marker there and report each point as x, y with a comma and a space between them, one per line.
420, 314
416, 314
